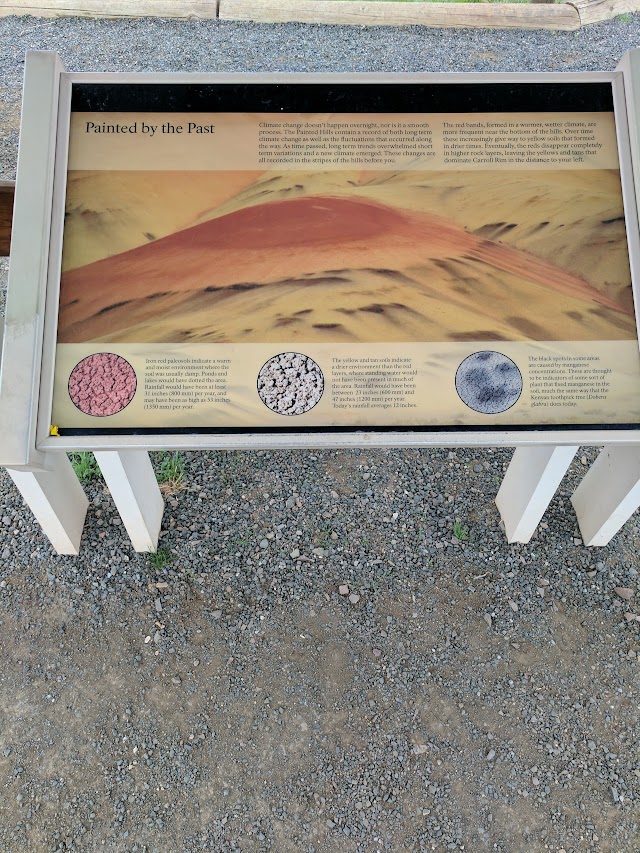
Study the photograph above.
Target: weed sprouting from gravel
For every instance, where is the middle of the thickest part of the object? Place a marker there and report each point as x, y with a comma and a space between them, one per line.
460, 531
171, 473
160, 558
85, 466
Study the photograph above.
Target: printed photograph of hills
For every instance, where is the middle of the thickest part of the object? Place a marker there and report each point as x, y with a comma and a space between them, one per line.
348, 257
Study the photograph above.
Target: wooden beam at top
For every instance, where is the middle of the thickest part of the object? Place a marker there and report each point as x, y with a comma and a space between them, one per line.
594, 11
561, 16
183, 9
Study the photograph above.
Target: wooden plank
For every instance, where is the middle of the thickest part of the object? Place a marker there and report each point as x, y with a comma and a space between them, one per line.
7, 192
112, 8
592, 11
558, 16
373, 13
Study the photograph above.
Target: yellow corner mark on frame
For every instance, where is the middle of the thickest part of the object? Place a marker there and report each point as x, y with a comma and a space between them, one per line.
53, 430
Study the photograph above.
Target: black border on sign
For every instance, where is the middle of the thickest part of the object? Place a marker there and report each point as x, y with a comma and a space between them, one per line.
356, 428
393, 97
352, 97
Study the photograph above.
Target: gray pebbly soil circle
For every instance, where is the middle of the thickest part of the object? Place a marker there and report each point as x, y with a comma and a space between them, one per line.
290, 383
488, 382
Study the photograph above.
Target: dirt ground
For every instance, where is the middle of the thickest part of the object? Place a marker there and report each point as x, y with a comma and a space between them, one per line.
234, 699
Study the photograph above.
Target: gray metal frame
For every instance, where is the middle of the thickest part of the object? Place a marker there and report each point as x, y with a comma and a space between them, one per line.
26, 383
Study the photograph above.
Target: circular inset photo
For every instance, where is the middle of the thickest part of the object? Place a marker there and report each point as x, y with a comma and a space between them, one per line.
488, 382
290, 383
102, 384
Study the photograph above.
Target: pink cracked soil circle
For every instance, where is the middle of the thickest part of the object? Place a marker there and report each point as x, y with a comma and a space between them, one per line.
102, 384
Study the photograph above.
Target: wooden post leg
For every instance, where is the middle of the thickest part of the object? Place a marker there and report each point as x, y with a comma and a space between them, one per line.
132, 482
532, 479
56, 499
609, 494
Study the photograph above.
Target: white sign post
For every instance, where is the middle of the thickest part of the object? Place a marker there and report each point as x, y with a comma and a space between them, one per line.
530, 483
55, 497
609, 494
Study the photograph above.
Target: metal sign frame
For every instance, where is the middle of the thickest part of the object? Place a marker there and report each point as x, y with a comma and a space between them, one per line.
26, 377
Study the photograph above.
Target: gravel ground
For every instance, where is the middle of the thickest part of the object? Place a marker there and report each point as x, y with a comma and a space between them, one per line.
314, 662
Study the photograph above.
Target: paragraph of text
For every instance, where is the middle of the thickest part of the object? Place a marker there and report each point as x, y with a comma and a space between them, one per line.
519, 142
303, 143
172, 384
373, 383
567, 380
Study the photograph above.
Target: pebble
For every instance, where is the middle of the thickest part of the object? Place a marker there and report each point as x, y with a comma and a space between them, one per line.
624, 592
354, 598
343, 589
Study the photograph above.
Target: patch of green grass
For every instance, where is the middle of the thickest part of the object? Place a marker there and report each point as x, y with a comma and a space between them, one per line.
189, 575
626, 18
160, 558
171, 473
240, 542
460, 531
322, 537
227, 467
85, 466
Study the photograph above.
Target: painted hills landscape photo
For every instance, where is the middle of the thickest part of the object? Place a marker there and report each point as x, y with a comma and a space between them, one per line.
348, 257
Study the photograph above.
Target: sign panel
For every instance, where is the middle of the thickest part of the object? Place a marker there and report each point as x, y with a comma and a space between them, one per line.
344, 256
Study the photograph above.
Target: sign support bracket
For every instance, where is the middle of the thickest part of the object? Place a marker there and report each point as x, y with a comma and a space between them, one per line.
609, 494
132, 482
56, 498
530, 483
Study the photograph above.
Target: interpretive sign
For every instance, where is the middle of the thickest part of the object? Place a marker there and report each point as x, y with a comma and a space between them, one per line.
420, 256
286, 256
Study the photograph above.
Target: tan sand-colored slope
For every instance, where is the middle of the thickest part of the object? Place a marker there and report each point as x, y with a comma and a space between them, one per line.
111, 212
332, 268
